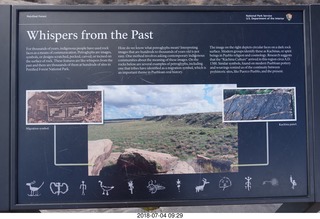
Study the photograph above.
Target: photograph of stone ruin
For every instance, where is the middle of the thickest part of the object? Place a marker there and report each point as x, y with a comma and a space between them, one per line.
162, 129
266, 104
55, 107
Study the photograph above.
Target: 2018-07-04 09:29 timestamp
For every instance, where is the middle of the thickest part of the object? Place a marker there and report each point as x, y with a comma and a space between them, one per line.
159, 215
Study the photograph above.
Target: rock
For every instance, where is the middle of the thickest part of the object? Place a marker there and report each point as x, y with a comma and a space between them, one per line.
146, 162
98, 152
112, 159
110, 167
136, 161
214, 165
222, 165
139, 162
181, 167
201, 157
276, 105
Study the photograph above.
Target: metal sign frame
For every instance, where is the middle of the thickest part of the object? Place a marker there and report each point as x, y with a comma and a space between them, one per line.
11, 179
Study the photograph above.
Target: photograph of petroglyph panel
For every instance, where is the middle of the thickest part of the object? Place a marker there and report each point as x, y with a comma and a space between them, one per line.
162, 129
259, 104
64, 107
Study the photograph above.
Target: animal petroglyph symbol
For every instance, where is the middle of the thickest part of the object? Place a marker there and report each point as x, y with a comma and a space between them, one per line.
224, 183
293, 182
201, 187
34, 191
247, 184
58, 188
105, 189
273, 182
153, 187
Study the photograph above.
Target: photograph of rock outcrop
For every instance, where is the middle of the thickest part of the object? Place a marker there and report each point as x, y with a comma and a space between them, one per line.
162, 129
67, 107
265, 104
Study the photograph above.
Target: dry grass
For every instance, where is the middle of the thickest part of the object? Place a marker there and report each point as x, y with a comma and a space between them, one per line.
173, 136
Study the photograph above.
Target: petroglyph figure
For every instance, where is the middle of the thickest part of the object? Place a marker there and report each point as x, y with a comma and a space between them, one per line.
131, 187
34, 191
83, 187
178, 184
224, 183
105, 189
154, 187
247, 184
293, 182
201, 187
58, 188
273, 182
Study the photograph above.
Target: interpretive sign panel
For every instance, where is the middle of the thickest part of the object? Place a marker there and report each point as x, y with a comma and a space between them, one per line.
155, 106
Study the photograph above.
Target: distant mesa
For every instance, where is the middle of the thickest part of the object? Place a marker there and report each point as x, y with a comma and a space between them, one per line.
206, 120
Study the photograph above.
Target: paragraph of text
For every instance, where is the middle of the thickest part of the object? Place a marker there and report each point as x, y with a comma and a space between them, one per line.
44, 59
249, 59
159, 60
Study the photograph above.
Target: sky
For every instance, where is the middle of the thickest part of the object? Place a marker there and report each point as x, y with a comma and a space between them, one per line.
137, 101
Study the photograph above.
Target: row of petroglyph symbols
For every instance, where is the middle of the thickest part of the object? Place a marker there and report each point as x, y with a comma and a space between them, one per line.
61, 188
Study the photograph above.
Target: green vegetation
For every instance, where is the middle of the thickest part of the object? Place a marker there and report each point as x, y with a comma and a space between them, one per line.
230, 93
184, 136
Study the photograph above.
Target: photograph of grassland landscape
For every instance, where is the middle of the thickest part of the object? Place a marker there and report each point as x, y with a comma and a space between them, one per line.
162, 129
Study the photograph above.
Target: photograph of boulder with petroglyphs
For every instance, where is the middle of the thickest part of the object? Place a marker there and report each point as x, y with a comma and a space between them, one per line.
259, 104
162, 129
